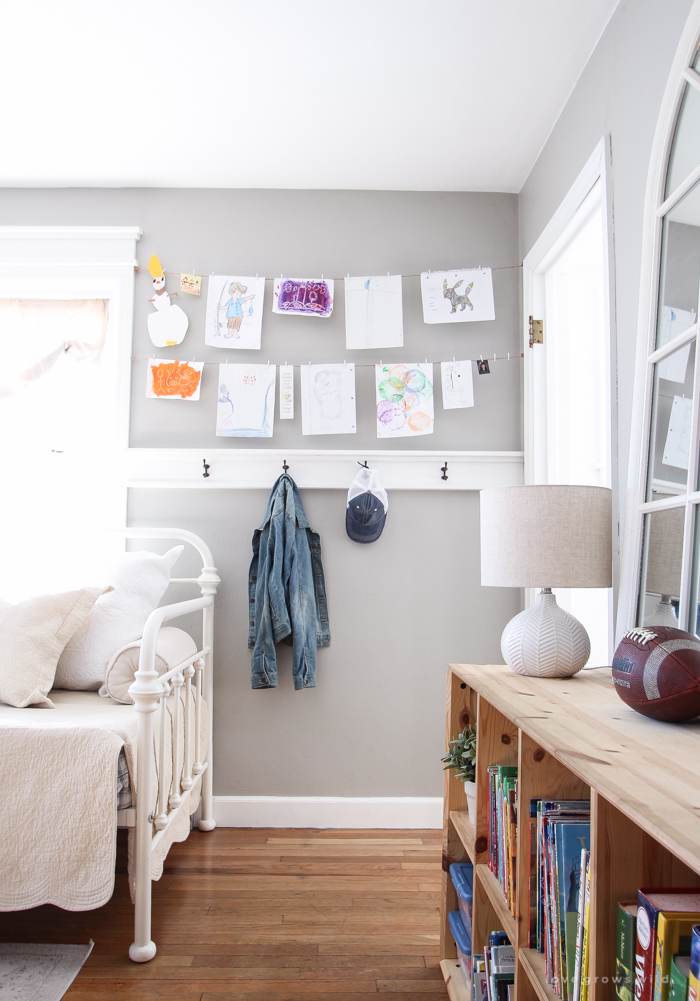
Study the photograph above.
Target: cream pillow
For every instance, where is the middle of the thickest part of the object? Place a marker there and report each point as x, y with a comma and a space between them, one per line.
173, 646
32, 636
139, 580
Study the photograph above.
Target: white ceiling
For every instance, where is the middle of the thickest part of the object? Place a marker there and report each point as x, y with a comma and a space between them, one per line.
456, 95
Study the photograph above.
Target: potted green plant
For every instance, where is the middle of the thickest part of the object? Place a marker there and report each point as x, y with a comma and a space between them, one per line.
462, 757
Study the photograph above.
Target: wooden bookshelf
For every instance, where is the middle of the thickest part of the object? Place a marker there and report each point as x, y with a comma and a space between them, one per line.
571, 738
456, 987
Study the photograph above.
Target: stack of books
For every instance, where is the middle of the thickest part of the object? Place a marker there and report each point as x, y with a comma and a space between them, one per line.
494, 971
503, 799
560, 892
654, 936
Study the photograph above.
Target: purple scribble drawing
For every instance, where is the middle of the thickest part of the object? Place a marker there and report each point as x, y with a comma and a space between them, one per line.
297, 296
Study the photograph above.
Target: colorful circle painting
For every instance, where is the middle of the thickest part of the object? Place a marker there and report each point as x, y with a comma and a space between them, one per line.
404, 400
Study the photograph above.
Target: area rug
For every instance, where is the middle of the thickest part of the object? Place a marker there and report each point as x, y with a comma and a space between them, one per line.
30, 972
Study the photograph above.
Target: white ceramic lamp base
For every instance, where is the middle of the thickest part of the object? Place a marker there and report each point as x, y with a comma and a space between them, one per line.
545, 641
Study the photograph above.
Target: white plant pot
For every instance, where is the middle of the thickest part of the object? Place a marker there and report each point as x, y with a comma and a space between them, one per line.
470, 789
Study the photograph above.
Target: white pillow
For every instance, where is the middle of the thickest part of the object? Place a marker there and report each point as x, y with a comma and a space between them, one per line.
139, 580
32, 636
173, 646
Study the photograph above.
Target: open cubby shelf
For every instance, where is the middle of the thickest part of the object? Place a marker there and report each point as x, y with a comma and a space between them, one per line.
570, 739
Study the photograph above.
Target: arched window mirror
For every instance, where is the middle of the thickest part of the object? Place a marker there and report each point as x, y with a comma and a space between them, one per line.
661, 556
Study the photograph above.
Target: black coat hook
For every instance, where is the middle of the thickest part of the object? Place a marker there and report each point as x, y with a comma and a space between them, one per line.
285, 467
206, 468
363, 464
444, 472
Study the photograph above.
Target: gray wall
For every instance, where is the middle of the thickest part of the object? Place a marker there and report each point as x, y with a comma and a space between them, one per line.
619, 92
399, 609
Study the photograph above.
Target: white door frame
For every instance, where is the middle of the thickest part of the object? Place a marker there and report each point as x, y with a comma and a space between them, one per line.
597, 168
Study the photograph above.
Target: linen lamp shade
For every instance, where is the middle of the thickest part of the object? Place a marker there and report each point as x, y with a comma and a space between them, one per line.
546, 536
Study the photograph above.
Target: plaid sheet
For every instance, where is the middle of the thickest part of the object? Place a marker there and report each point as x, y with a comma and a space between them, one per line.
124, 798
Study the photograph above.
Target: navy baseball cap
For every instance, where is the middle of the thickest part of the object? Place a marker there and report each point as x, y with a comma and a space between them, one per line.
368, 503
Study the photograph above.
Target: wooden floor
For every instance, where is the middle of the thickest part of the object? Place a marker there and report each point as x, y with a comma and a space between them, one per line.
251, 913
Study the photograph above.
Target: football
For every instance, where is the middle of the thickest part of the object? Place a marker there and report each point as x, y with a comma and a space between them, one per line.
656, 670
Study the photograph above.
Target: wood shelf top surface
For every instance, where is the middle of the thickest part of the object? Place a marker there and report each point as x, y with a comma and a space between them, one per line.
533, 963
647, 769
498, 900
465, 830
456, 987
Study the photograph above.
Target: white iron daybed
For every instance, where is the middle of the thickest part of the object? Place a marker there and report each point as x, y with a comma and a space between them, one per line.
58, 817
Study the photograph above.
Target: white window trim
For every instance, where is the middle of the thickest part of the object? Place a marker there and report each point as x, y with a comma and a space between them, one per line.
598, 168
655, 207
75, 261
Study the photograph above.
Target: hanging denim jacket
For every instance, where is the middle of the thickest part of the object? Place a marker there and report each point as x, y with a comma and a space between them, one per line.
286, 590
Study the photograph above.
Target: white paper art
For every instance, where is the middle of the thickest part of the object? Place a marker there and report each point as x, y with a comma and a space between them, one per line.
457, 296
373, 312
674, 322
173, 380
328, 399
286, 392
303, 296
246, 401
457, 384
677, 447
168, 325
234, 312
405, 405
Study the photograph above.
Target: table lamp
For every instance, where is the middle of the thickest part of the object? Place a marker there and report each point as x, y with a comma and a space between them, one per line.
546, 536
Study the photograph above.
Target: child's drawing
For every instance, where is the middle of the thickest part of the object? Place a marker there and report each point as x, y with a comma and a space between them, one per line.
173, 380
168, 325
234, 312
328, 399
286, 392
373, 312
405, 406
457, 296
457, 301
457, 385
246, 401
303, 296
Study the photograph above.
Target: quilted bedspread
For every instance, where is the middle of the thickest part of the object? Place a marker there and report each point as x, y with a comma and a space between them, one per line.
58, 800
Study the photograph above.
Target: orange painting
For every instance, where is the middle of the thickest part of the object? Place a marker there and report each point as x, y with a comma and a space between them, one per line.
175, 379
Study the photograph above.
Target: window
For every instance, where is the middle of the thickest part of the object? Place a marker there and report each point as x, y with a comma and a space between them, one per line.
568, 378
661, 581
65, 335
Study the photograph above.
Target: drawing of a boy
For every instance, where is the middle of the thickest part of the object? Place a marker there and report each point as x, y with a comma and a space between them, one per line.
234, 308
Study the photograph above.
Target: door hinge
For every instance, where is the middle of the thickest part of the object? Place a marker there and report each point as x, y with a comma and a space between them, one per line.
536, 332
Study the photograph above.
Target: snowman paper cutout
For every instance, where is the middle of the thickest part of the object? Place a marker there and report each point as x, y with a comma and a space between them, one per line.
168, 325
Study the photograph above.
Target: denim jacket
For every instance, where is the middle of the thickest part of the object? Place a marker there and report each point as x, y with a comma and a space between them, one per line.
286, 590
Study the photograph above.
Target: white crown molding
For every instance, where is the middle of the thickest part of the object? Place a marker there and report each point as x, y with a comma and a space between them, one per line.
255, 468
70, 233
361, 812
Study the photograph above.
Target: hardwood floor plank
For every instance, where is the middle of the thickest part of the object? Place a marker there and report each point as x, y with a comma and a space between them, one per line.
266, 914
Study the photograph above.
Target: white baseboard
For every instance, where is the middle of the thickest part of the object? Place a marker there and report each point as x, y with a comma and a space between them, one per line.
391, 812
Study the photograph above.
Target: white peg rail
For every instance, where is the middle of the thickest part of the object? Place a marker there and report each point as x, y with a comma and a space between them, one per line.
258, 468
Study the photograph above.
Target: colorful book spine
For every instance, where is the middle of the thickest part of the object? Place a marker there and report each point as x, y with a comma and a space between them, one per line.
673, 934
694, 974
583, 871
653, 901
626, 940
585, 963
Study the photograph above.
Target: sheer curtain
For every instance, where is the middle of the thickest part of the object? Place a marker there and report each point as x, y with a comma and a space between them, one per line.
60, 488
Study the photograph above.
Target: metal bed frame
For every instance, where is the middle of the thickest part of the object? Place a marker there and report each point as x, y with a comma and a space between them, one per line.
149, 692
